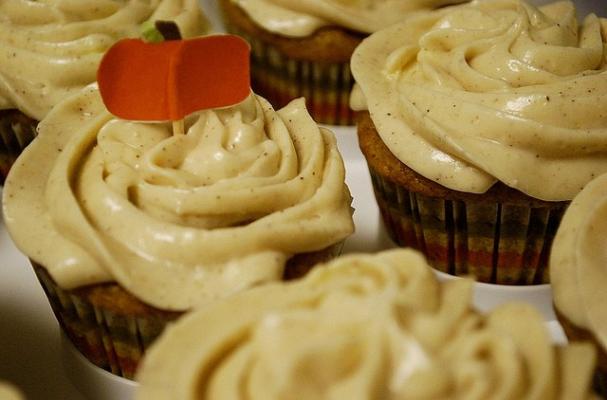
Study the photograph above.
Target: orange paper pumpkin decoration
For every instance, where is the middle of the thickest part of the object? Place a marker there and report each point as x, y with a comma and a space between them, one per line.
169, 80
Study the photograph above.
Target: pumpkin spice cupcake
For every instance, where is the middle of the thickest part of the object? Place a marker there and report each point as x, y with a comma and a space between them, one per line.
363, 327
52, 49
303, 48
578, 271
128, 226
477, 134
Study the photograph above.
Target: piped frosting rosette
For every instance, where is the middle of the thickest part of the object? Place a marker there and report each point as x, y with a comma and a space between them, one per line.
302, 18
578, 262
51, 49
177, 220
363, 327
491, 90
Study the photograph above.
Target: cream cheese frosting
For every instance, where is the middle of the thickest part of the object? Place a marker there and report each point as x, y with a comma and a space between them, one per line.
176, 220
50, 49
578, 261
491, 90
300, 18
362, 327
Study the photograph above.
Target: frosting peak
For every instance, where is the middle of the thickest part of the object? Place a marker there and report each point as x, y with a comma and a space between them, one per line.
475, 93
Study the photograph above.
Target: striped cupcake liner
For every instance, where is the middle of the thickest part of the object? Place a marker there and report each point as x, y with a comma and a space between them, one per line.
115, 339
280, 79
16, 131
110, 340
494, 242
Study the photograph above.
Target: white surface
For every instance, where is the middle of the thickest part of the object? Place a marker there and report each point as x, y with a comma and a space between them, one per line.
30, 343
29, 334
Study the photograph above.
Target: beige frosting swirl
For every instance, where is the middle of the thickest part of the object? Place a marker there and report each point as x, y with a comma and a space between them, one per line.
298, 18
176, 220
491, 90
362, 327
50, 49
578, 261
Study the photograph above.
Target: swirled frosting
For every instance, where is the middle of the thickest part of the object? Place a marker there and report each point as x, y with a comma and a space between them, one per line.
299, 18
176, 220
578, 261
50, 49
491, 90
362, 327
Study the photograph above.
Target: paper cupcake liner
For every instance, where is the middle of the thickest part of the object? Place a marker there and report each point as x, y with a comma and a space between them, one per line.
495, 242
109, 339
114, 337
17, 130
280, 79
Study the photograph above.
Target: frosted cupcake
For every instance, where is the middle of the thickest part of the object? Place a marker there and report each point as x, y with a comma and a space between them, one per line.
363, 327
52, 49
127, 226
578, 271
479, 123
303, 48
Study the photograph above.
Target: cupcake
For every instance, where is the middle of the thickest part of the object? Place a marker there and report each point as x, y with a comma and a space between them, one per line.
478, 133
578, 274
363, 327
303, 48
52, 49
128, 226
